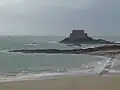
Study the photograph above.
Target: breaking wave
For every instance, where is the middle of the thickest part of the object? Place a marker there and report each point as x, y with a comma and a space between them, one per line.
30, 74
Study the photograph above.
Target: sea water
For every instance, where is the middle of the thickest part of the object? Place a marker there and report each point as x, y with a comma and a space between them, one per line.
39, 63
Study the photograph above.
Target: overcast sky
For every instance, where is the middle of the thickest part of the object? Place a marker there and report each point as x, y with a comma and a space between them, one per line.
58, 17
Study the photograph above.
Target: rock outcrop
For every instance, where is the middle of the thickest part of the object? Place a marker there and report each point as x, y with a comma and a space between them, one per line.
79, 37
72, 51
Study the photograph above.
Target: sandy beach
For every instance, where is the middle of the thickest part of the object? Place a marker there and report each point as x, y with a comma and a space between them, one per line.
66, 83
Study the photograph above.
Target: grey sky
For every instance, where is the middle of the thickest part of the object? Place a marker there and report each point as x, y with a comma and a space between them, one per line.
58, 17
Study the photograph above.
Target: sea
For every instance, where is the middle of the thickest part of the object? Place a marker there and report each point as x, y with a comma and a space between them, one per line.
42, 63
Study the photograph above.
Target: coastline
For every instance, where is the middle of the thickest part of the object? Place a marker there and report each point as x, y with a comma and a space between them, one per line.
41, 76
68, 82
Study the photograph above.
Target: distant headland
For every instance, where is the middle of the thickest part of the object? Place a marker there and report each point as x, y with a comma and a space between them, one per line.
78, 37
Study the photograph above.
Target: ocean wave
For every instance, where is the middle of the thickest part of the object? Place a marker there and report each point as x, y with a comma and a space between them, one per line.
30, 74
53, 42
7, 52
47, 74
117, 41
56, 42
27, 77
30, 44
40, 76
68, 45
93, 46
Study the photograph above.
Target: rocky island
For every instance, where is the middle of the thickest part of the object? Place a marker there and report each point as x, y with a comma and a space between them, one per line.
78, 37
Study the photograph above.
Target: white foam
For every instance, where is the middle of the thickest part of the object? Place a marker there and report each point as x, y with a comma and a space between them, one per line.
93, 46
53, 42
27, 77
117, 41
31, 44
114, 71
40, 76
7, 51
43, 75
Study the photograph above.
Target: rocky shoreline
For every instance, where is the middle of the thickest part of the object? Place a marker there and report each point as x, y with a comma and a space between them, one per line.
72, 51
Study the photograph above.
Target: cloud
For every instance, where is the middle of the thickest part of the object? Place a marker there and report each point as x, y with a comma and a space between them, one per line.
97, 17
49, 20
7, 3
81, 4
104, 17
41, 16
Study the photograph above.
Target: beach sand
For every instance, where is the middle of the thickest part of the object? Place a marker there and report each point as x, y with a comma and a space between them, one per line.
66, 83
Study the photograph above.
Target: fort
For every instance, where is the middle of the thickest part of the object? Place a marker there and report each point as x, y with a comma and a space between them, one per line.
76, 34
80, 37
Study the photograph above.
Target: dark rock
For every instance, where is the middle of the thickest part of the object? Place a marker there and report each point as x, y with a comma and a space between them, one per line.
72, 51
79, 37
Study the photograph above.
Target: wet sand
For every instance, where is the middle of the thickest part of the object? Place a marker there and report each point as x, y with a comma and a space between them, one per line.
67, 83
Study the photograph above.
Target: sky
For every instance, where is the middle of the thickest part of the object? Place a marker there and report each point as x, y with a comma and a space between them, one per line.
59, 17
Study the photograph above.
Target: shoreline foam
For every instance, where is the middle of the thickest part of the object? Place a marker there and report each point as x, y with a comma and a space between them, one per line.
42, 76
